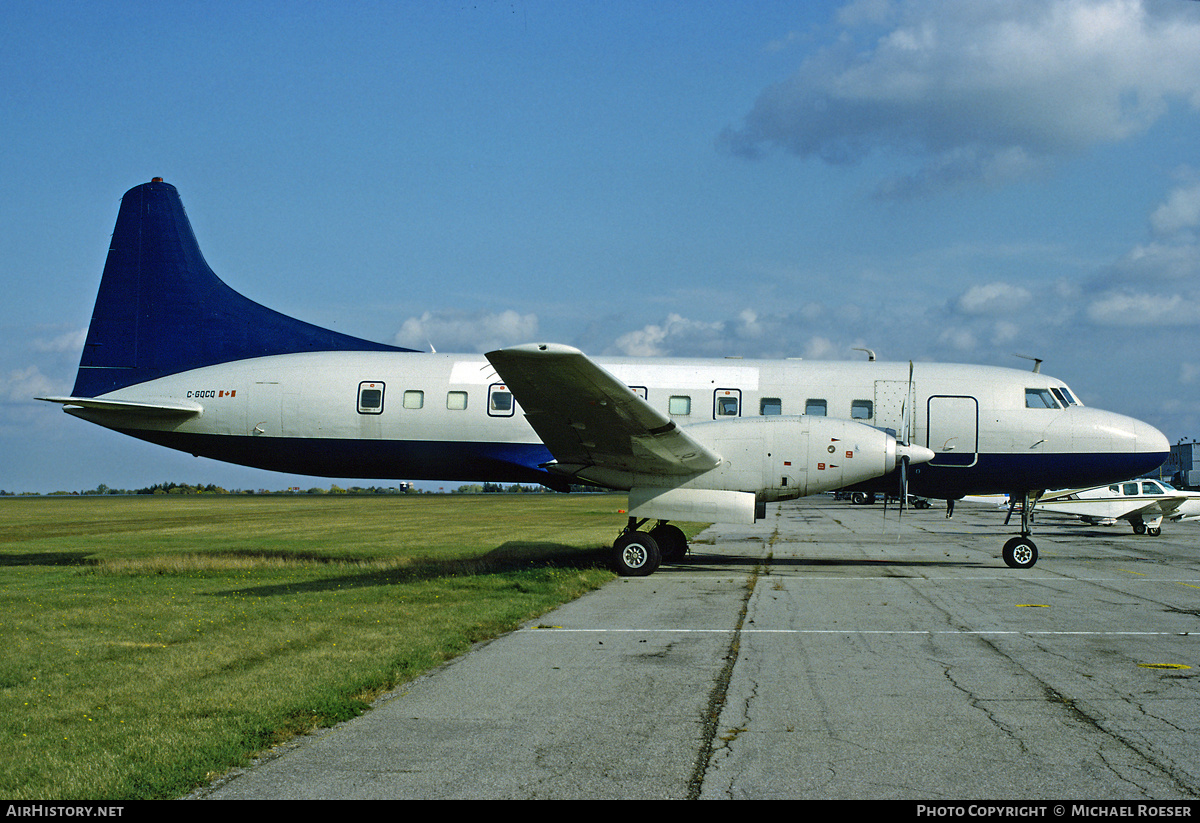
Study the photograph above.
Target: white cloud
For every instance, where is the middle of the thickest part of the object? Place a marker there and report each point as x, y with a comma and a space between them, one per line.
70, 342
463, 332
23, 385
1180, 213
980, 91
678, 335
958, 339
1141, 309
864, 11
821, 348
993, 299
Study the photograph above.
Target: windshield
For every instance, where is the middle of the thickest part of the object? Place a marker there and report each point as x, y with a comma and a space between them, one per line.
1064, 396
1040, 399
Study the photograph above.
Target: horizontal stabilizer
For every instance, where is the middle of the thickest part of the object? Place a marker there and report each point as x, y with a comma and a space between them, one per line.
147, 408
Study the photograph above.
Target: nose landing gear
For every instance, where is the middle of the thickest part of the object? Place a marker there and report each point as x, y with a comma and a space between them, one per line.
1021, 552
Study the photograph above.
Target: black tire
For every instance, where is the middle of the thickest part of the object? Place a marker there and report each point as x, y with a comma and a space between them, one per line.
1020, 553
672, 543
635, 554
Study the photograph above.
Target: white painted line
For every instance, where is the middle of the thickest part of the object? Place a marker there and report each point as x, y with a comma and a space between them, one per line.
562, 630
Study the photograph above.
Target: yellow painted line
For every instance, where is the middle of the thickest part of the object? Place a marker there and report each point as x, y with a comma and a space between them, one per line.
1032, 606
1163, 666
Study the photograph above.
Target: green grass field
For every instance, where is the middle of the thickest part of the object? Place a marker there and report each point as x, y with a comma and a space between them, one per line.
151, 643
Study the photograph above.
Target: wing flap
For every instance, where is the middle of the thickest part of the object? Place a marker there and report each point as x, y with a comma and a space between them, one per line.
588, 418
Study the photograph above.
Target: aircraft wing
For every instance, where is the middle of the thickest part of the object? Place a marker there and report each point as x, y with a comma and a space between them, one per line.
588, 418
1113, 508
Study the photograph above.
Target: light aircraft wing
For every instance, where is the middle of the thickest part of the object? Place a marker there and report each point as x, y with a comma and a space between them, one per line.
145, 408
1113, 508
588, 418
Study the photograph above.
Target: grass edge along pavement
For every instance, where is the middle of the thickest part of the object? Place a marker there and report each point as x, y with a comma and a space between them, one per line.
154, 643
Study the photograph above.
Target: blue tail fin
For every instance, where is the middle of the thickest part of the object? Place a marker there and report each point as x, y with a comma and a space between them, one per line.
161, 310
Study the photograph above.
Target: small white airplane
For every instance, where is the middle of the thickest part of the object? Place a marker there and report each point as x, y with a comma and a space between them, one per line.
176, 357
1144, 503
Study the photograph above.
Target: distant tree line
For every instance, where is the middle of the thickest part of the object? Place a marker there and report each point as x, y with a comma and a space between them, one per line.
399, 488
212, 488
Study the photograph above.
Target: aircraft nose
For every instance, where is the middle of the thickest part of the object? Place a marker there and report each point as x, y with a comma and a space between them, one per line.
1106, 431
1150, 439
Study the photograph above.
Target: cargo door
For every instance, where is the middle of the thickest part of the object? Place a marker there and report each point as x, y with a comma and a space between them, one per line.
953, 430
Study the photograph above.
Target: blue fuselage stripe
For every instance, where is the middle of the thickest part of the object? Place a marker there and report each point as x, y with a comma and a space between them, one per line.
520, 463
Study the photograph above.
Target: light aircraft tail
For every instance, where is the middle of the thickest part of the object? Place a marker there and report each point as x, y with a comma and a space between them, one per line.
161, 310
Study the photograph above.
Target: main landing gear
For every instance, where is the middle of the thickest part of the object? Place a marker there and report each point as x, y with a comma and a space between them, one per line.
1021, 552
637, 554
1142, 527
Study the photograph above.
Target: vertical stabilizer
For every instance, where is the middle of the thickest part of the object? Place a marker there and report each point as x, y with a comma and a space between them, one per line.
161, 310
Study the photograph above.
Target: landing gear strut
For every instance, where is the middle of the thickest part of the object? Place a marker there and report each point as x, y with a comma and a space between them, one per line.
1021, 552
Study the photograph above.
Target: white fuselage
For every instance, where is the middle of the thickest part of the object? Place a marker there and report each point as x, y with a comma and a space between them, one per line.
446, 416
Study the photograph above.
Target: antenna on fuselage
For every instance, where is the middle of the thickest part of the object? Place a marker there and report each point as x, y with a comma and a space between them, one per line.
870, 354
1037, 362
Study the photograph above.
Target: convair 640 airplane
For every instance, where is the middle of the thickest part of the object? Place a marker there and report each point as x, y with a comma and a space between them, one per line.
176, 357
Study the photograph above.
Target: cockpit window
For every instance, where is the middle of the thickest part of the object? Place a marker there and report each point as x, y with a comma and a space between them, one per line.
1151, 488
1064, 394
1040, 399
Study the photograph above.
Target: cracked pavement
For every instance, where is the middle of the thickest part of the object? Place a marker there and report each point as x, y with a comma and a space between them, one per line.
827, 652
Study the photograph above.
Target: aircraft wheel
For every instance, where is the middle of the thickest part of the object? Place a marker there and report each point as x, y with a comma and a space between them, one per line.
1139, 528
1020, 553
1154, 531
635, 554
672, 543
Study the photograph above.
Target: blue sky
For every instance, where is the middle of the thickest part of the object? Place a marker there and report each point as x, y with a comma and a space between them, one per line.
935, 180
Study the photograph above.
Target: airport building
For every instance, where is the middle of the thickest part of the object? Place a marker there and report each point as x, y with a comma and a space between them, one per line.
1182, 469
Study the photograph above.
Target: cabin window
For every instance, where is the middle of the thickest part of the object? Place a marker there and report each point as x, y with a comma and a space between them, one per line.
817, 408
370, 398
500, 401
414, 399
1129, 489
679, 405
770, 406
861, 409
640, 391
456, 400
727, 402
1040, 399
1151, 488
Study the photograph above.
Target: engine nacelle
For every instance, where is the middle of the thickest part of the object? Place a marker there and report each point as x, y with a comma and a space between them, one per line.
768, 459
